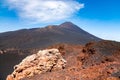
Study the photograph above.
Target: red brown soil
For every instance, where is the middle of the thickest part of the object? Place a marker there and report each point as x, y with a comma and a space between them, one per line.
94, 61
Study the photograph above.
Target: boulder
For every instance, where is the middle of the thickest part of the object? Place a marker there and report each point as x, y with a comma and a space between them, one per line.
44, 61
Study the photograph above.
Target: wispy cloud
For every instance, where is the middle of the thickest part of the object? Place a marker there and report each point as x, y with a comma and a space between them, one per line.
45, 10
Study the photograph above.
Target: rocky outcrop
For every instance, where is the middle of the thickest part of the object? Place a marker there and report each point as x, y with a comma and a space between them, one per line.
94, 61
44, 61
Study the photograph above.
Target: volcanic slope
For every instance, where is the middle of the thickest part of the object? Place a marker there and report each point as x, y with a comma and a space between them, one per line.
16, 45
42, 37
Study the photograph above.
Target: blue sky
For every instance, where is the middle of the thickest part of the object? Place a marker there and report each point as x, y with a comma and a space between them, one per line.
99, 17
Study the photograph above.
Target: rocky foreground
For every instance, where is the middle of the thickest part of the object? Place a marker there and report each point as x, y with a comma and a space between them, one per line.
94, 61
44, 61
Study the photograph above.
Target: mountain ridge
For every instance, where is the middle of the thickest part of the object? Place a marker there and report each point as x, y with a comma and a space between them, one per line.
63, 33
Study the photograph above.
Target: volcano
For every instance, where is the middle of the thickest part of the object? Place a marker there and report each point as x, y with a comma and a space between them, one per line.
16, 45
42, 37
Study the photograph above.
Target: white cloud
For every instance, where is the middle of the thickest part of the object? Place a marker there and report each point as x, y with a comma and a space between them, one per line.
45, 10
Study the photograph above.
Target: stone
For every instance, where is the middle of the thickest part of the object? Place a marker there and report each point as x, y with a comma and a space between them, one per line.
41, 62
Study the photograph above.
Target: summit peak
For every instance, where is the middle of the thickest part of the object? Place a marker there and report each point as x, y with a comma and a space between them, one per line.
70, 26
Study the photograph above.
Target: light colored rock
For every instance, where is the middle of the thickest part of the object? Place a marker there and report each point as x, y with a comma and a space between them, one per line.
41, 62
1, 52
